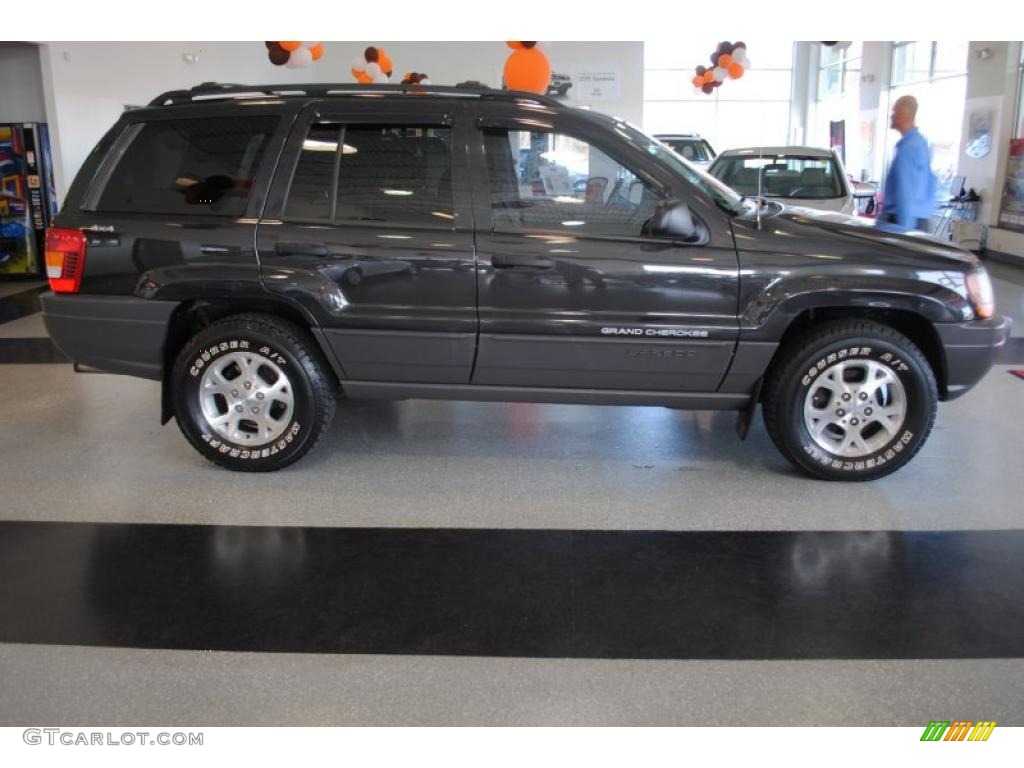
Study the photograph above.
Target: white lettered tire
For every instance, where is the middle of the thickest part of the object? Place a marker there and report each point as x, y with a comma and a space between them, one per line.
850, 400
253, 392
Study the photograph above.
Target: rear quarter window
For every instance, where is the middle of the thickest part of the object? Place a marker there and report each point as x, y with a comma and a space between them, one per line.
185, 166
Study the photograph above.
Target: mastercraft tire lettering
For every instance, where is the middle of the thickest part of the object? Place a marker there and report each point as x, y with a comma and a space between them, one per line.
850, 400
252, 392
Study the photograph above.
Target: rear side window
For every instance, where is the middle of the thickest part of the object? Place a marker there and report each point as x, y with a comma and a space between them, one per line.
380, 173
187, 166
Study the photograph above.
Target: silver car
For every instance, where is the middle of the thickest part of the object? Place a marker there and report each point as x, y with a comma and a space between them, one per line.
690, 146
806, 176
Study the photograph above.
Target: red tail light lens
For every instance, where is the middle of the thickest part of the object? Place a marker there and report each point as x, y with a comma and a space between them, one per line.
65, 259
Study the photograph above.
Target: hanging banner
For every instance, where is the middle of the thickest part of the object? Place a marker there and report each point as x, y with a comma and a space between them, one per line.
1011, 214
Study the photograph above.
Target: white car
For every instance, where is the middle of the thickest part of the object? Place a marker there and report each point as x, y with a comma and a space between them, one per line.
804, 176
690, 146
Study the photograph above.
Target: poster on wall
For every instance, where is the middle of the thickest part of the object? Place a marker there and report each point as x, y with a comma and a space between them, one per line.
979, 134
597, 84
1011, 213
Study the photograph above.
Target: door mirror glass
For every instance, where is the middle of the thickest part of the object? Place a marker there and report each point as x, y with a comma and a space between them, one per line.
673, 219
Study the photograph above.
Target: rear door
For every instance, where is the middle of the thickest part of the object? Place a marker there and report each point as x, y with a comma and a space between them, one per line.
574, 291
368, 227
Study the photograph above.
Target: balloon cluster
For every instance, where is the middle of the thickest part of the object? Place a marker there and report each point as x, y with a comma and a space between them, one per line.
729, 61
416, 78
527, 68
373, 66
293, 53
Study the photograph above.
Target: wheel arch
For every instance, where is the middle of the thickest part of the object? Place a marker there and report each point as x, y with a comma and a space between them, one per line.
194, 314
912, 324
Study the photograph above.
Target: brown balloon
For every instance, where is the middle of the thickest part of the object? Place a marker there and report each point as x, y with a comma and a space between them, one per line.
707, 87
278, 56
371, 55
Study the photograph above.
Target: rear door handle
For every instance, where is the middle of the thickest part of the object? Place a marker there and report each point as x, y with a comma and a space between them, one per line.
282, 248
520, 262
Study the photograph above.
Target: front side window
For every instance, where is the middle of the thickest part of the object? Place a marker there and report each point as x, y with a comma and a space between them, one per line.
188, 166
785, 176
380, 173
553, 181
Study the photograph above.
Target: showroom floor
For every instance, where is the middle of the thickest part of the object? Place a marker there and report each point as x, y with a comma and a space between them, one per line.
470, 563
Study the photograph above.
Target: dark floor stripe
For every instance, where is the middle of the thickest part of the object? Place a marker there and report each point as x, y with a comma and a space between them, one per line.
532, 593
29, 351
21, 304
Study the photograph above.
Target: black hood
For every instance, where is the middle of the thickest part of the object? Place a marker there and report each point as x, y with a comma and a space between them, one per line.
796, 229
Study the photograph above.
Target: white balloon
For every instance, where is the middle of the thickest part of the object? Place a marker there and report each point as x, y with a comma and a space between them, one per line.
721, 73
301, 57
740, 57
372, 69
424, 81
380, 77
291, 63
359, 63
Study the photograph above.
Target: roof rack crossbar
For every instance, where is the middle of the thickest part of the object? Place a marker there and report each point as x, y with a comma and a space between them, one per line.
236, 90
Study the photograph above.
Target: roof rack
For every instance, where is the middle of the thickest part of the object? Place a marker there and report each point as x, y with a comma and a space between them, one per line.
212, 91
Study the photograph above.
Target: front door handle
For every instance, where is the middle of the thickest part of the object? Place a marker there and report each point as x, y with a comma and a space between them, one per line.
521, 262
283, 248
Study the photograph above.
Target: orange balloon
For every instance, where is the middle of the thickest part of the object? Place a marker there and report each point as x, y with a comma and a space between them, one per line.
736, 71
709, 76
317, 51
361, 77
290, 45
698, 81
386, 65
527, 69
725, 60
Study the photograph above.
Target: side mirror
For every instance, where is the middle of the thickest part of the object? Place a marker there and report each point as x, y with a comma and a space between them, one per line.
673, 219
862, 190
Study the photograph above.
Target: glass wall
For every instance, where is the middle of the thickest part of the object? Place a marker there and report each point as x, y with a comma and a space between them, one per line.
751, 111
839, 100
935, 73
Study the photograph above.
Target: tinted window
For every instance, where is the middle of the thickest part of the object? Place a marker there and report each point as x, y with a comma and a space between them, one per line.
189, 166
395, 173
542, 180
310, 193
788, 176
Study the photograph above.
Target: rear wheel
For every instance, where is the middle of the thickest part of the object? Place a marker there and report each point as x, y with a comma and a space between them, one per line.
850, 400
253, 392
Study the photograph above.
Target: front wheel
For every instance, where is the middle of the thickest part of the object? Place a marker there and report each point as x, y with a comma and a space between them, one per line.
252, 392
850, 400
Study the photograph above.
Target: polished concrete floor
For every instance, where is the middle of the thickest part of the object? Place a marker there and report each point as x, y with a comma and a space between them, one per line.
87, 449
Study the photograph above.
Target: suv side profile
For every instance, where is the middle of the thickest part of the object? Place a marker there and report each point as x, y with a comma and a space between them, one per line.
262, 250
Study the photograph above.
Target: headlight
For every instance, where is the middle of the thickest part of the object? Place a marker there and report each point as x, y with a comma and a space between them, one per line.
979, 291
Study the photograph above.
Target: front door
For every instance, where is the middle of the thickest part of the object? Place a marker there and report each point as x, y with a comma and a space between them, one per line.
368, 228
574, 291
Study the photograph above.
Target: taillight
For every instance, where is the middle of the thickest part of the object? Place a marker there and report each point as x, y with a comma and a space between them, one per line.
65, 259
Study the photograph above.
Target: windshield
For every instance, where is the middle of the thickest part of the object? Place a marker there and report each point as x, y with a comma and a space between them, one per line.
795, 177
723, 197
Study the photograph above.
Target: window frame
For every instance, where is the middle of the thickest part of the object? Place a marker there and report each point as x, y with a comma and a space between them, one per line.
368, 110
133, 123
482, 192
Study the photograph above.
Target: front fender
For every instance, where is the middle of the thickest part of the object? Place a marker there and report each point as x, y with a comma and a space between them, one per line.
767, 314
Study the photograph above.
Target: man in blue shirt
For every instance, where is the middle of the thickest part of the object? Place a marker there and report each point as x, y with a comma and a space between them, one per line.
909, 193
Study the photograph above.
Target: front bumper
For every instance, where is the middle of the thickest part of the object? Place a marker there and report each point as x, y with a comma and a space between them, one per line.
118, 334
970, 351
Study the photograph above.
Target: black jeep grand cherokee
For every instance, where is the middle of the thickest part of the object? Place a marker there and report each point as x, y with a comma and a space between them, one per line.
261, 249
